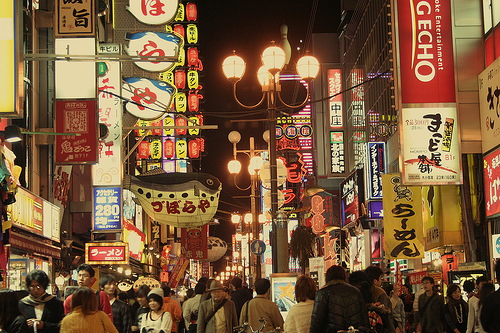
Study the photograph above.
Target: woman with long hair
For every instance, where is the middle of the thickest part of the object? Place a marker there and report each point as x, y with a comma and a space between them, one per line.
12, 319
299, 318
456, 310
43, 310
85, 316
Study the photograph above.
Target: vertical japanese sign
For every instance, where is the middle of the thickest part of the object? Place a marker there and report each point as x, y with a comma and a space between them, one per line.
108, 171
331, 248
352, 194
322, 211
335, 103
107, 213
426, 51
76, 117
376, 166
489, 106
11, 65
178, 272
430, 153
337, 153
402, 219
75, 18
194, 242
492, 183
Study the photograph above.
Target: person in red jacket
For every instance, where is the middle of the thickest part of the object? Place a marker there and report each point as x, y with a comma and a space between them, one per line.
85, 279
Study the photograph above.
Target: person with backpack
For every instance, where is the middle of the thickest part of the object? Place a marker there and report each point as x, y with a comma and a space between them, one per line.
85, 279
218, 313
190, 308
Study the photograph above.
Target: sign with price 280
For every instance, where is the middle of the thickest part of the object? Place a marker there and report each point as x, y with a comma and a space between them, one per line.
107, 210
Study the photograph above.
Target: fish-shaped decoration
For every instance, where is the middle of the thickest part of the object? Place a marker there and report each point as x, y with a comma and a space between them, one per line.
177, 199
147, 99
153, 44
153, 12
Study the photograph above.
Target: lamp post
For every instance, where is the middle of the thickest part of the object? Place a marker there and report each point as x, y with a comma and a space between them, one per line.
273, 59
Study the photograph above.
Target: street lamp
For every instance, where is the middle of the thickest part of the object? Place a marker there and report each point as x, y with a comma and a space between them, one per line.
273, 59
253, 219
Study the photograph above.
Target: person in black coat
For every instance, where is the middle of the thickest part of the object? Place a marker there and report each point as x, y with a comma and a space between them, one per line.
41, 309
12, 319
338, 305
240, 296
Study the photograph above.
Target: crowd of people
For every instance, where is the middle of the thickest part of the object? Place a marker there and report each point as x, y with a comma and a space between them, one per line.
359, 300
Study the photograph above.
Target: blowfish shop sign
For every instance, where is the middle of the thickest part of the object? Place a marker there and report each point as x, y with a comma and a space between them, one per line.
107, 209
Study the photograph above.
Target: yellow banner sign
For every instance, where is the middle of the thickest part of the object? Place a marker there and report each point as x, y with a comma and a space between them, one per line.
404, 234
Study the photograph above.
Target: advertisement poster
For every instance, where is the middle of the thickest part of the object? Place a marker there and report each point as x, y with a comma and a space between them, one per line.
75, 18
317, 271
79, 119
404, 234
492, 183
352, 190
430, 152
283, 291
107, 214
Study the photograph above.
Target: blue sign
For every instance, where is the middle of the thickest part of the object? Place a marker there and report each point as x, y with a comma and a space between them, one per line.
258, 247
376, 166
376, 210
107, 212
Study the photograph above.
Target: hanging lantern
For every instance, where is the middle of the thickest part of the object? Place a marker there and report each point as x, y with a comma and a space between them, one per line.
141, 123
192, 79
143, 150
158, 130
194, 101
180, 102
156, 149
181, 122
216, 248
191, 12
192, 34
167, 76
180, 79
194, 120
181, 149
168, 148
193, 59
180, 13
182, 57
168, 121
194, 149
179, 29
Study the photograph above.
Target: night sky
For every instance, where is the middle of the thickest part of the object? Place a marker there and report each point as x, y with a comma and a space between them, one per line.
247, 27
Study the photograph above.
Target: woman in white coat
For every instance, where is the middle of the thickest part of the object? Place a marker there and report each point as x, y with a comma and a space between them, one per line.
298, 319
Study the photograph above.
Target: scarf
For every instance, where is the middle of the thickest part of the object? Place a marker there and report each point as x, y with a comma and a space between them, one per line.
34, 301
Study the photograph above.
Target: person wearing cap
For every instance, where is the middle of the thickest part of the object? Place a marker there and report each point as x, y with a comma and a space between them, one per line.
217, 314
157, 320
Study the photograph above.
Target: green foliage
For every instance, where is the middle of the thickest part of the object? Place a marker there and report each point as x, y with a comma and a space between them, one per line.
301, 244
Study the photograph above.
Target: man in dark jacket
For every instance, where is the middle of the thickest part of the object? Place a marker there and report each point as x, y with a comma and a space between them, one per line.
430, 309
240, 295
338, 305
375, 275
490, 312
121, 313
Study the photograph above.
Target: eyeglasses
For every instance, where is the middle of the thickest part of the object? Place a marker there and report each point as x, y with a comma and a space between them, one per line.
35, 287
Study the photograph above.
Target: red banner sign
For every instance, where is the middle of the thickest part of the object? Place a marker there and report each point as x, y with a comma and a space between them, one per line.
76, 117
194, 242
416, 278
178, 272
492, 183
106, 253
426, 52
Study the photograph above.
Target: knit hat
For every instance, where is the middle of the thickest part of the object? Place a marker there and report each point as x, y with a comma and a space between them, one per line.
216, 285
156, 294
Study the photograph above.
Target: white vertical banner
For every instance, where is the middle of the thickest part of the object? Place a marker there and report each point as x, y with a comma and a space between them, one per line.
108, 170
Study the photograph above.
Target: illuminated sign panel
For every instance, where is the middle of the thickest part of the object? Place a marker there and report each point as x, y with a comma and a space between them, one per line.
426, 52
107, 214
106, 253
335, 103
75, 18
375, 166
337, 152
492, 183
351, 190
489, 99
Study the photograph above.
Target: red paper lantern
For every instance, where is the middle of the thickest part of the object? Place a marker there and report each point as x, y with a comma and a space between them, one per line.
169, 148
180, 79
192, 57
143, 150
179, 29
156, 131
194, 149
181, 122
191, 12
194, 101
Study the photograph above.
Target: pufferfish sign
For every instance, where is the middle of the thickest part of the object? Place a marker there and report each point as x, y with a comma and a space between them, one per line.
178, 199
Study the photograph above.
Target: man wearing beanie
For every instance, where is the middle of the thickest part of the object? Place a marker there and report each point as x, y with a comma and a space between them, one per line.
217, 314
157, 320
